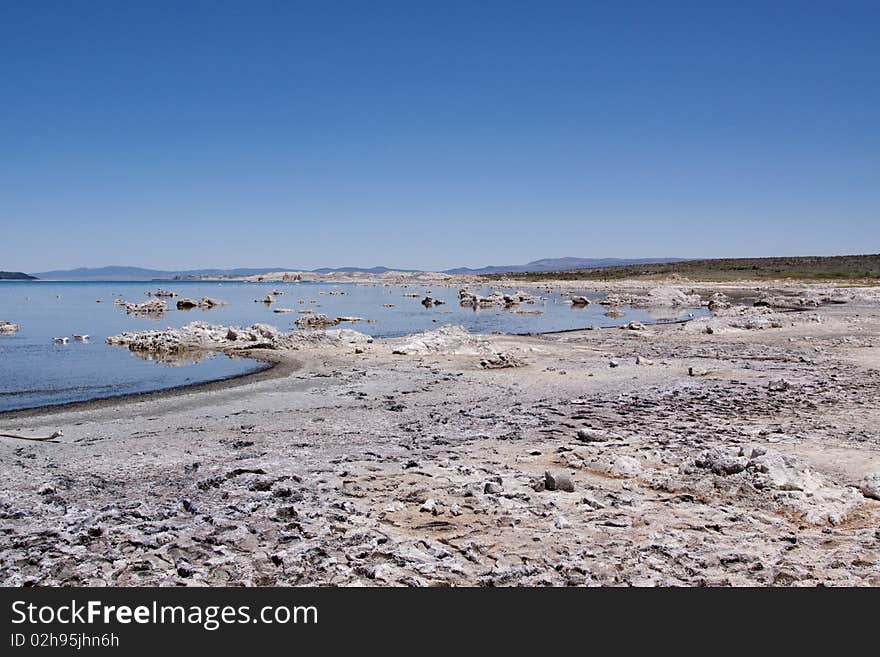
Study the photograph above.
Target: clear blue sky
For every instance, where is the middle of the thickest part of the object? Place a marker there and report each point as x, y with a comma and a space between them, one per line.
416, 134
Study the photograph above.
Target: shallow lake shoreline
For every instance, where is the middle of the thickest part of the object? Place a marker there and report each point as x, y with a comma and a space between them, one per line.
272, 367
735, 449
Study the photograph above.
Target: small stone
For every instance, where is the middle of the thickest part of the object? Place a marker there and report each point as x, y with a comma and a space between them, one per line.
620, 466
46, 489
613, 363
592, 502
721, 462
431, 506
643, 361
592, 435
286, 513
561, 523
493, 488
870, 486
558, 481
184, 569
455, 510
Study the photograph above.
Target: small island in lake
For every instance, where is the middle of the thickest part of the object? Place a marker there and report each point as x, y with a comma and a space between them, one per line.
16, 276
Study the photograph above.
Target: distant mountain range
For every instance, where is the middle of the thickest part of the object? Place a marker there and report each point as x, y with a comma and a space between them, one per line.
14, 276
561, 264
141, 274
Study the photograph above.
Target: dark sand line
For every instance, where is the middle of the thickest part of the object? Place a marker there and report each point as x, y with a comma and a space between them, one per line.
276, 367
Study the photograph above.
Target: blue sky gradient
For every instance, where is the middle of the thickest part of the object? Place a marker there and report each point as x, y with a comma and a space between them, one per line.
434, 135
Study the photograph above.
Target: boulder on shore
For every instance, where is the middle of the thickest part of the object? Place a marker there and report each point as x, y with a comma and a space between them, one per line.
785, 479
8, 327
870, 486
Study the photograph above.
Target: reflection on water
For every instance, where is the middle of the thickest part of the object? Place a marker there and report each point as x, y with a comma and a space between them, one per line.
672, 314
178, 359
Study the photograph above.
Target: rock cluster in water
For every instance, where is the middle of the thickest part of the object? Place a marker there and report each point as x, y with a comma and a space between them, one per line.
162, 293
202, 336
152, 307
494, 300
204, 303
316, 321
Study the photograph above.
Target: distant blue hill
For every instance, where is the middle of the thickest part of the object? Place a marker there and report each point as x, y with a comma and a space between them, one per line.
141, 274
561, 264
14, 276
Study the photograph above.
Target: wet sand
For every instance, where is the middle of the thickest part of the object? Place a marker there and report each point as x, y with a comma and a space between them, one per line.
730, 457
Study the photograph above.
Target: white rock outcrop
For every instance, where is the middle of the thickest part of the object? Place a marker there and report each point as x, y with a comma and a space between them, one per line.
202, 336
793, 485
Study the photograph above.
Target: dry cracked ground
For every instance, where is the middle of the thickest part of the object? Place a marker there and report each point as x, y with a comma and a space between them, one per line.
664, 455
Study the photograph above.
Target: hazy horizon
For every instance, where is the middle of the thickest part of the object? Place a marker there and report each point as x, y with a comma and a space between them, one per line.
306, 136
281, 267
364, 266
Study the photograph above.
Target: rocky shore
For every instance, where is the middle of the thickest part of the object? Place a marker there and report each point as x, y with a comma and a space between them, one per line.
736, 449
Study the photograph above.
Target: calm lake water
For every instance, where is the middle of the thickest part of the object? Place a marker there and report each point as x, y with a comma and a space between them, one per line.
36, 372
